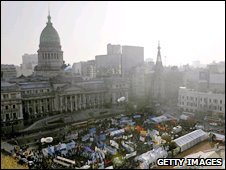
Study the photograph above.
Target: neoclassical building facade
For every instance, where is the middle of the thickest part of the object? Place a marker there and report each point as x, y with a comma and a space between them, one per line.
51, 90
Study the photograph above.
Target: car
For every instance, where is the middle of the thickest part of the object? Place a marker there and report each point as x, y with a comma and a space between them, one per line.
213, 124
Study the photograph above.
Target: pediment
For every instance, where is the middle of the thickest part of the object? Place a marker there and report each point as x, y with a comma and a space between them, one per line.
73, 89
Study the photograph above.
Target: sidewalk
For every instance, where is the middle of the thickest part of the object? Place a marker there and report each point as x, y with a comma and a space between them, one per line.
7, 147
74, 117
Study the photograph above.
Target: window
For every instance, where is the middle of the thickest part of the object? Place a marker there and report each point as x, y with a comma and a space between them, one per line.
13, 96
220, 101
5, 96
7, 116
210, 100
220, 108
14, 106
14, 115
6, 107
41, 90
47, 90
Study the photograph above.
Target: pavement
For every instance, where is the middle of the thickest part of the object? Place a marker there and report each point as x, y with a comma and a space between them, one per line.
6, 146
73, 117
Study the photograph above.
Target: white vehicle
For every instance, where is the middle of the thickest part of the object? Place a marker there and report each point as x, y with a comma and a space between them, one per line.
121, 99
47, 140
213, 124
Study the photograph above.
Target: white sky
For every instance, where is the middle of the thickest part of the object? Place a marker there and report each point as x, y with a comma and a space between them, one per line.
187, 31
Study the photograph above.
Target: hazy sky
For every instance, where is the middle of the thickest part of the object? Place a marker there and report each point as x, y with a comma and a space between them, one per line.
187, 31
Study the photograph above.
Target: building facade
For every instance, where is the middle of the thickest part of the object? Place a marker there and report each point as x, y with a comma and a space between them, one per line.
29, 61
116, 87
195, 101
8, 71
132, 56
119, 60
85, 69
51, 90
11, 107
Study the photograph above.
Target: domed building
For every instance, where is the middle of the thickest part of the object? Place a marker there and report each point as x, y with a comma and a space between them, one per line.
50, 55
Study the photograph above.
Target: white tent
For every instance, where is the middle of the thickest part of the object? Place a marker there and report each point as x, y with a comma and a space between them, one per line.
116, 132
187, 141
184, 117
220, 137
151, 156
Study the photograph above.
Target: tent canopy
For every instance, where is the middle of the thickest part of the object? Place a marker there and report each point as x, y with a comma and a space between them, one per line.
190, 139
136, 116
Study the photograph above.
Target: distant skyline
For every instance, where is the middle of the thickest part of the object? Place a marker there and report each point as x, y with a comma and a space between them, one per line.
187, 31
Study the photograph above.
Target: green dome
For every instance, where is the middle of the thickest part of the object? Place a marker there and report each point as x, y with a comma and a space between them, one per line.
49, 35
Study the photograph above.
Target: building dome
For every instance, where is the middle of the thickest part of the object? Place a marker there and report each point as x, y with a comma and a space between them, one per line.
49, 35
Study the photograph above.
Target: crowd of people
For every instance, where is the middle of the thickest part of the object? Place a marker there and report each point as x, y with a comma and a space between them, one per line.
106, 143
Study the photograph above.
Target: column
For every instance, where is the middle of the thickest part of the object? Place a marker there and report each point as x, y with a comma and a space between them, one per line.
76, 103
84, 101
52, 105
40, 107
71, 103
65, 97
34, 108
102, 99
98, 100
61, 104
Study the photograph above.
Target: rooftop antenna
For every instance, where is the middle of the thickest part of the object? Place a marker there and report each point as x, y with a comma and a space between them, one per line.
48, 9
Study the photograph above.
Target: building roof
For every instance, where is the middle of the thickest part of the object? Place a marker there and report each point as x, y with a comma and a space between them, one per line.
30, 85
184, 142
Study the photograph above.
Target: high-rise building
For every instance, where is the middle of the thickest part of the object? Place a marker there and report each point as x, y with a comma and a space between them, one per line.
86, 69
119, 60
50, 55
132, 56
110, 64
29, 61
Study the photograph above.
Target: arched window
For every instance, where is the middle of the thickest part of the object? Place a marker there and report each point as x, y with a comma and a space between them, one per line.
48, 55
